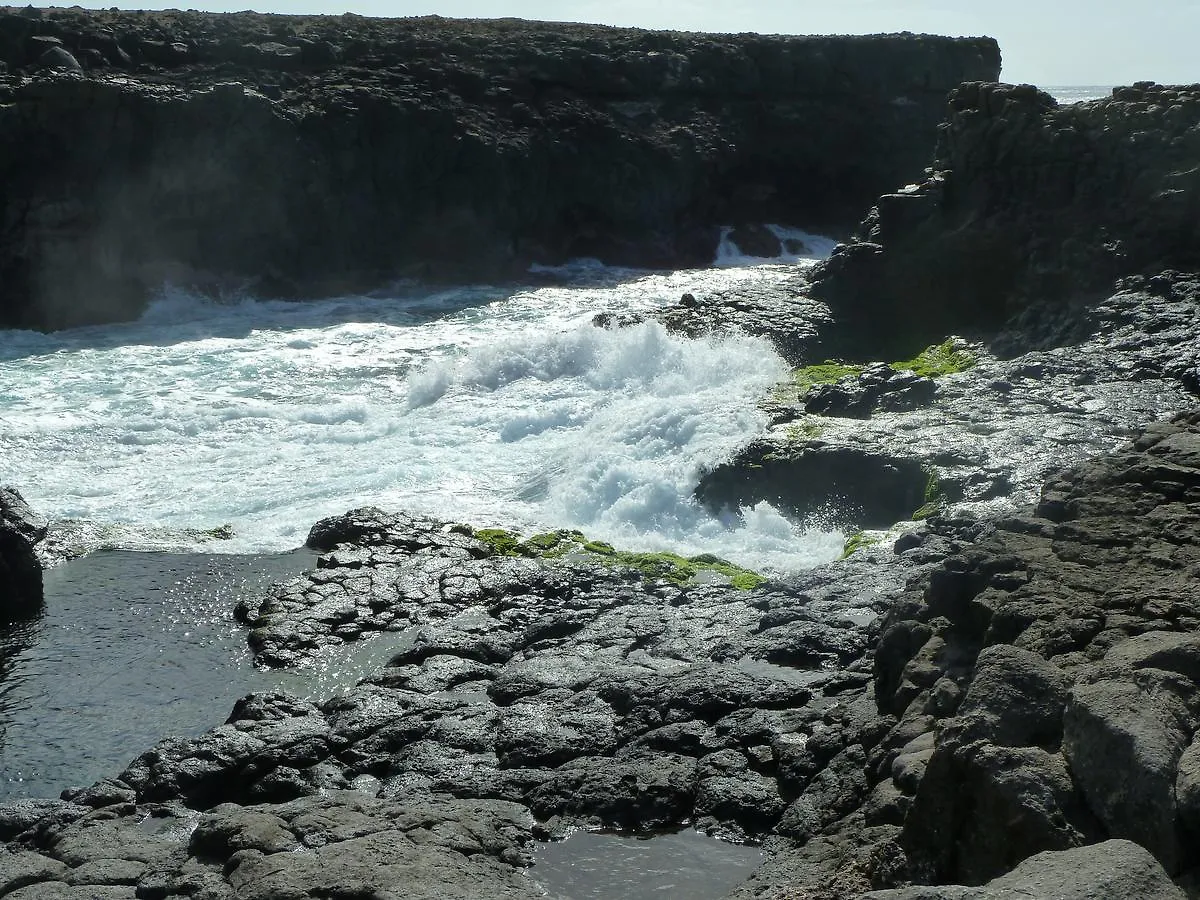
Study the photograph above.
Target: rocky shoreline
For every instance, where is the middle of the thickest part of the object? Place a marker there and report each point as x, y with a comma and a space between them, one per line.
874, 721
998, 699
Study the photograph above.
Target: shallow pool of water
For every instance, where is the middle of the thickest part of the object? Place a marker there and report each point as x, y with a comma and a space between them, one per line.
605, 866
134, 647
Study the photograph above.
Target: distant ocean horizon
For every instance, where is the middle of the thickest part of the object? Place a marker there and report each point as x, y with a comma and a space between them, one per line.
1078, 93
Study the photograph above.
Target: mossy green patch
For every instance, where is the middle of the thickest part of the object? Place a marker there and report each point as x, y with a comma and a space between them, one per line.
940, 359
933, 496
544, 542
654, 566
857, 541
505, 543
923, 512
828, 372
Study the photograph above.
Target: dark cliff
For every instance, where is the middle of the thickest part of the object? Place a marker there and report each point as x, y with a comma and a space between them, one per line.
1028, 202
304, 155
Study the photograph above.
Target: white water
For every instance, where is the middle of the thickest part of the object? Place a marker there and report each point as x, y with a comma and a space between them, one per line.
484, 405
1079, 93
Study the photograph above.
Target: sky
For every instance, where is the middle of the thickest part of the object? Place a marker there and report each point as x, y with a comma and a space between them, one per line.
1051, 42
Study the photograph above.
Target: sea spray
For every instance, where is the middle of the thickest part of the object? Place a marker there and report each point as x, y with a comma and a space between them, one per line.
485, 404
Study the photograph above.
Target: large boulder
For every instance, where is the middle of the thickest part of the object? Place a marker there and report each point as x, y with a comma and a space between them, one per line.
995, 770
20, 569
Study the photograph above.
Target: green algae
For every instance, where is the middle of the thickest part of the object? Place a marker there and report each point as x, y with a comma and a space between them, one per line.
658, 566
504, 543
938, 360
856, 542
934, 497
946, 358
806, 429
828, 372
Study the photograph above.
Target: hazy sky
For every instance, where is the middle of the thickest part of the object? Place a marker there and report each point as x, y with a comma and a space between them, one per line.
1051, 42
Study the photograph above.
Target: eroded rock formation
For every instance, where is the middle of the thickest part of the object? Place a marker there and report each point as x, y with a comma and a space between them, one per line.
295, 156
1028, 202
21, 529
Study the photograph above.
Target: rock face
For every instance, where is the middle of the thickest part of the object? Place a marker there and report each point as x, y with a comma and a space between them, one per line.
21, 529
1070, 636
1028, 201
296, 156
1111, 869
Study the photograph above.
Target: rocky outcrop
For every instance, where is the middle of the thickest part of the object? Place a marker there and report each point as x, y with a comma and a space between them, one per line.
1028, 202
1111, 869
1069, 639
525, 696
21, 529
1033, 677
294, 156
875, 445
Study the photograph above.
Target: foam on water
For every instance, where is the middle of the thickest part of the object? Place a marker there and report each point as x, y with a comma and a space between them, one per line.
798, 247
484, 404
1078, 93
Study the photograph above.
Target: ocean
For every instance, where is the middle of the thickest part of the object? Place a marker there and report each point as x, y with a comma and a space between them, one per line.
491, 405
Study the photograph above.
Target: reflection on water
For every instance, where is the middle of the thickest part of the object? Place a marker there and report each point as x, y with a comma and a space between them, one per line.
600, 866
131, 648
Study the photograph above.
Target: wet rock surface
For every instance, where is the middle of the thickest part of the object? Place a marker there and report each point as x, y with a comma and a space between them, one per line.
425, 147
876, 721
1031, 675
1083, 611
525, 697
1052, 388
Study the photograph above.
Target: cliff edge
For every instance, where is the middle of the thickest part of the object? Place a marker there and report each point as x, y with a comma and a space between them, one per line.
297, 156
1028, 202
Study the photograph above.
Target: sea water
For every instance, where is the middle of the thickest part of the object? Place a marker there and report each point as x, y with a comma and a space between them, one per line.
492, 405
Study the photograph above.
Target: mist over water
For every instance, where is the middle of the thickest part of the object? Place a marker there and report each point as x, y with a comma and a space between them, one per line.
488, 405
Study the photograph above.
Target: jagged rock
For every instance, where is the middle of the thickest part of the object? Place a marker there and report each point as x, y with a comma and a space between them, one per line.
1123, 744
996, 430
1069, 635
1027, 201
756, 240
879, 388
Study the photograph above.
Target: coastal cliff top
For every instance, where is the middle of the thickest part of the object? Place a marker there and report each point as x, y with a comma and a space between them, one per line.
471, 55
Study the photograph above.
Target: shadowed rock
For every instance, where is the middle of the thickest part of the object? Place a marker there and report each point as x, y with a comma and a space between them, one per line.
297, 156
20, 569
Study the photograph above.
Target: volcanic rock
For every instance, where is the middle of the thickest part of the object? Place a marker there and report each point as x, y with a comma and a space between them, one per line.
1027, 201
21, 529
297, 156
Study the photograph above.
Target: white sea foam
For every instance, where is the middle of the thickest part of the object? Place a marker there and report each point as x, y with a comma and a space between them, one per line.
799, 248
481, 404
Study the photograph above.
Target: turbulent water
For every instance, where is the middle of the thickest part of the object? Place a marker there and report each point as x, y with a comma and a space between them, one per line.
489, 405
